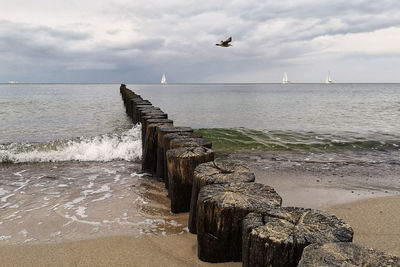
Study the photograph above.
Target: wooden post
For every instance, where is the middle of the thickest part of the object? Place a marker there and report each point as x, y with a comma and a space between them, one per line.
216, 172
183, 141
149, 158
149, 116
181, 164
137, 107
277, 237
130, 102
140, 109
220, 211
345, 254
189, 141
167, 140
161, 158
170, 136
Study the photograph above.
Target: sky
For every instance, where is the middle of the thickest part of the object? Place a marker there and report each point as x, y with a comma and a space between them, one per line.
136, 41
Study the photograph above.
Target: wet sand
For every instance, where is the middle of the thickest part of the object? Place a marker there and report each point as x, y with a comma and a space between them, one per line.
375, 222
352, 192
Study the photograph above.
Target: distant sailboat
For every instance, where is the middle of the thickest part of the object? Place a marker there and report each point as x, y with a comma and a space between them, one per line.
163, 79
285, 78
328, 78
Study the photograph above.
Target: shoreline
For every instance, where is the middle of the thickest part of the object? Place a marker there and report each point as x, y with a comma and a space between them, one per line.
376, 228
309, 185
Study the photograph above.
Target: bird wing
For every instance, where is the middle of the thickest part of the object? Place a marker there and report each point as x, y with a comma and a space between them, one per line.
226, 42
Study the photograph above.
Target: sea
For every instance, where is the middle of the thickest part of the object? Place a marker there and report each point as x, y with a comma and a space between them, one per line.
70, 156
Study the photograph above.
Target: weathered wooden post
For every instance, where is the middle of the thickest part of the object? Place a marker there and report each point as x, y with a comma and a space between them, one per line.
181, 164
141, 109
345, 254
161, 158
149, 158
178, 135
136, 107
220, 211
189, 141
216, 172
149, 116
277, 237
130, 103
166, 141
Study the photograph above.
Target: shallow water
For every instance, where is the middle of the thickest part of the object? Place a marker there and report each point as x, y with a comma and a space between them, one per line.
53, 202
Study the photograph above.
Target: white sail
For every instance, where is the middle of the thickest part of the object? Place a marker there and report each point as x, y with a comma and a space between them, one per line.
285, 78
163, 79
328, 78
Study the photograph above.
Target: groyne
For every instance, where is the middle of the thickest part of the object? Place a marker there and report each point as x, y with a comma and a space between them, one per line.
235, 218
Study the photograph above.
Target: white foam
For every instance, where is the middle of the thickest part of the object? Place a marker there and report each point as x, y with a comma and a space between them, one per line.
5, 205
55, 234
70, 205
103, 188
4, 237
3, 191
125, 146
19, 173
117, 178
23, 232
107, 195
109, 171
92, 177
81, 211
90, 185
4, 199
73, 218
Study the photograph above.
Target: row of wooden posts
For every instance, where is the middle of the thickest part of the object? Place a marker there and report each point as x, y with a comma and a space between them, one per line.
235, 219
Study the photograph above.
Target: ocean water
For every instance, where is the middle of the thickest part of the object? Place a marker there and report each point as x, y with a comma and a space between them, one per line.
69, 151
289, 117
87, 122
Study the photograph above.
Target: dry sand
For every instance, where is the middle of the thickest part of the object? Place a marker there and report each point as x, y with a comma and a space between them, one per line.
376, 222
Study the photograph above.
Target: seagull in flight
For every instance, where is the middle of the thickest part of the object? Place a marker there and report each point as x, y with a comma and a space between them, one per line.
225, 43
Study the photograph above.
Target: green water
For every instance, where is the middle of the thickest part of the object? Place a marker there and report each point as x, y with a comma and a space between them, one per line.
246, 140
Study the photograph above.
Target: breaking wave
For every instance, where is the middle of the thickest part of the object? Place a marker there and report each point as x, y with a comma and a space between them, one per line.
107, 147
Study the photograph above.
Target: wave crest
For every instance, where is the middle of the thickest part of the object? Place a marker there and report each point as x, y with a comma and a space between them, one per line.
107, 147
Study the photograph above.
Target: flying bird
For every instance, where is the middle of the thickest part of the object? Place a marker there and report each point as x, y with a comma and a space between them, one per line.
225, 43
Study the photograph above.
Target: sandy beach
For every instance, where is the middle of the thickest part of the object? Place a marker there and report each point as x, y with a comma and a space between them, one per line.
371, 207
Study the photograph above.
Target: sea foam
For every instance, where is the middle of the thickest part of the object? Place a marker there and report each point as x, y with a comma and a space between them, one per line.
124, 146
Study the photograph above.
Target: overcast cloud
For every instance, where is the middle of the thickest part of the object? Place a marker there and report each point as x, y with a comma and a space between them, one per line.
137, 41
